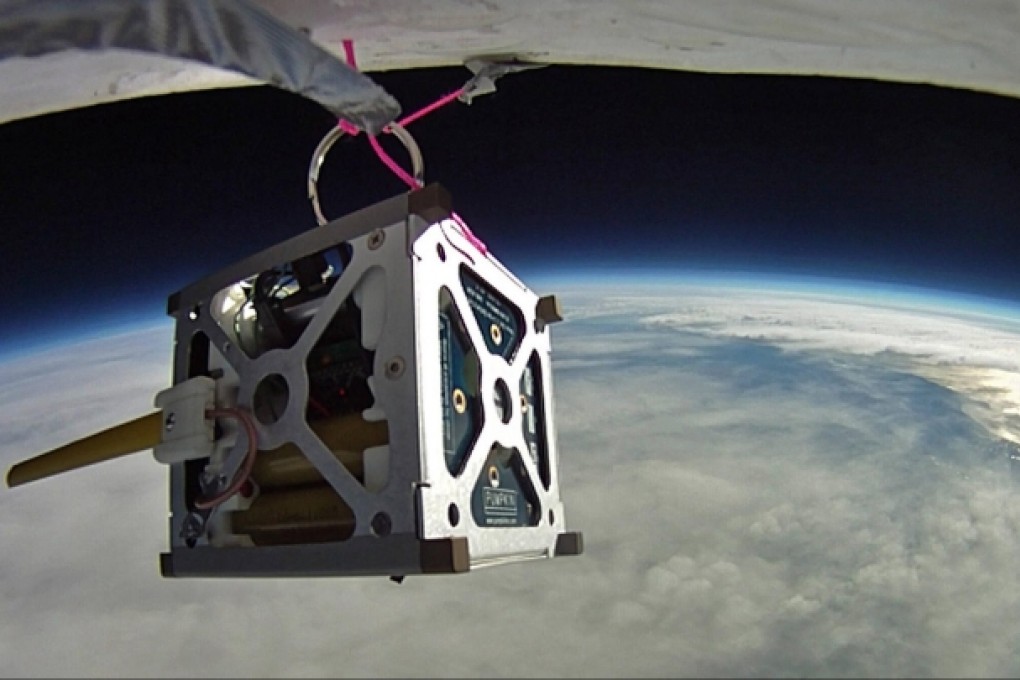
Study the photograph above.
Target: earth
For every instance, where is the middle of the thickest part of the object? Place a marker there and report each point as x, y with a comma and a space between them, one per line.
772, 479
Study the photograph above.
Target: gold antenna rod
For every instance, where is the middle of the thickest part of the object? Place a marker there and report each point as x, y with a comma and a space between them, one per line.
127, 438
342, 435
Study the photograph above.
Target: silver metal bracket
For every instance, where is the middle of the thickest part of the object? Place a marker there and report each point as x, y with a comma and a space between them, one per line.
489, 69
402, 399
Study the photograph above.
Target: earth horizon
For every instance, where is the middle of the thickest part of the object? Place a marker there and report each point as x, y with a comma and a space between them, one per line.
774, 478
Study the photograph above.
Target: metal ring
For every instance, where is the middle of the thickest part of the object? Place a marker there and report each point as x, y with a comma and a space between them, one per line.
417, 162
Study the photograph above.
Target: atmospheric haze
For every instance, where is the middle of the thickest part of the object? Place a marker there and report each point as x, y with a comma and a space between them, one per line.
771, 483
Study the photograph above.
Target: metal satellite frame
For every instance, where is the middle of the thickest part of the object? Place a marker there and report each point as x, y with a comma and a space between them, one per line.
371, 397
395, 335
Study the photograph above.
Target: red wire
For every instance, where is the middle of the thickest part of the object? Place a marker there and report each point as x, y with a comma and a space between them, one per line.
318, 406
249, 458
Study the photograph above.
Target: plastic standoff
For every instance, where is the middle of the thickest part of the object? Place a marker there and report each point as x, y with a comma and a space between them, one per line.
186, 431
417, 162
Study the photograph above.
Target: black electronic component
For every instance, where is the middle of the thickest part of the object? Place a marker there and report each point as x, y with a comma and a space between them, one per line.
503, 495
497, 319
459, 372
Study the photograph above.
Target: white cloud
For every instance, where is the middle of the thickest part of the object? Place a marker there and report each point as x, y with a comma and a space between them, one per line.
747, 511
975, 355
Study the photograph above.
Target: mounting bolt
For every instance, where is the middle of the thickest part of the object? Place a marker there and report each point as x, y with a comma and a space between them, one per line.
211, 482
376, 239
170, 421
395, 368
381, 525
192, 526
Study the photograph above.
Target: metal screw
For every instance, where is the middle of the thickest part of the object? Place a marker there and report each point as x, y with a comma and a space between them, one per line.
211, 482
382, 525
395, 368
376, 239
171, 420
192, 526
496, 333
459, 400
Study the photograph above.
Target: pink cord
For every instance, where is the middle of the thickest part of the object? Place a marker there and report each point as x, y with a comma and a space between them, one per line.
442, 101
376, 146
349, 128
393, 165
349, 53
470, 235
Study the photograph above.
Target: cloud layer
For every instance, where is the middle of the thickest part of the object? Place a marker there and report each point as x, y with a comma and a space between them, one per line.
974, 354
748, 510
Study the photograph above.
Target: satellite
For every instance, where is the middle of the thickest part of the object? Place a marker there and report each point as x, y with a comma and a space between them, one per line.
371, 397
374, 396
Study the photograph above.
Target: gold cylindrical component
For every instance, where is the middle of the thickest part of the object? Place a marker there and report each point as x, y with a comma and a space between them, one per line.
287, 466
351, 432
308, 514
131, 437
346, 436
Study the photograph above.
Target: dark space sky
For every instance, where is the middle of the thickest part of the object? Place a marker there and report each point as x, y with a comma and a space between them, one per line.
106, 210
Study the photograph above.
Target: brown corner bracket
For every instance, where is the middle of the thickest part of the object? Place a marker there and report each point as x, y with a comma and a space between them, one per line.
432, 203
445, 555
569, 543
